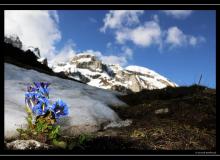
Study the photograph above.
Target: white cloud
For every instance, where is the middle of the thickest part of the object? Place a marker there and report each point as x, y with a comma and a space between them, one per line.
179, 14
121, 59
122, 35
35, 28
108, 59
119, 18
196, 40
65, 54
40, 29
148, 33
54, 15
193, 40
127, 52
176, 38
144, 36
126, 26
112, 59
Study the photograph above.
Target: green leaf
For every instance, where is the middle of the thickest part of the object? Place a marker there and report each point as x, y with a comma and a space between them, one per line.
20, 130
60, 144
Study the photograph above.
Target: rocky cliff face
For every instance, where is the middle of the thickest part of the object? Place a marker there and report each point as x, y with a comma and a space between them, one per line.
15, 41
87, 62
89, 69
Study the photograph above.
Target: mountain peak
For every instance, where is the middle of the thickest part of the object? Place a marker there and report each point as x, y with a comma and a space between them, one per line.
83, 58
139, 69
89, 69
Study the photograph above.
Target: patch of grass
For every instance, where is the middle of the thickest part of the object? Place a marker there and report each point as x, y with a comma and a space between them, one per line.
176, 136
78, 142
189, 124
161, 94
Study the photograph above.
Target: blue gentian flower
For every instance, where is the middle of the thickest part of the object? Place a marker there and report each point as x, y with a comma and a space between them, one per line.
31, 99
42, 87
41, 107
31, 88
36, 98
60, 109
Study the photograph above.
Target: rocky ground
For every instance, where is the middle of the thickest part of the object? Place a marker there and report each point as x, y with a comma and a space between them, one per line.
182, 118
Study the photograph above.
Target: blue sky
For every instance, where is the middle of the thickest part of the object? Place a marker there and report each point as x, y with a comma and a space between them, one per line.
180, 45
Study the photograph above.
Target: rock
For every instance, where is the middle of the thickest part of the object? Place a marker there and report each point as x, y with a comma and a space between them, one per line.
87, 61
82, 78
79, 129
95, 76
121, 89
134, 85
92, 65
14, 40
36, 51
119, 124
138, 134
27, 145
43, 61
161, 111
81, 56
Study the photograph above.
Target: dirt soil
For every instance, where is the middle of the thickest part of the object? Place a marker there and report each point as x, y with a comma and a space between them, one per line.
182, 118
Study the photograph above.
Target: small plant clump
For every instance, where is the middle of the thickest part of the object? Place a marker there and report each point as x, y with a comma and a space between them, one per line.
42, 117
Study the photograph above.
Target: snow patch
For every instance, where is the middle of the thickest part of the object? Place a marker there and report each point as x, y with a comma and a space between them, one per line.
81, 60
87, 105
155, 78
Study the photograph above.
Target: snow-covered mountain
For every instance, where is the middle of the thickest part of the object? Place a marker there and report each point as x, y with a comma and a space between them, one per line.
89, 69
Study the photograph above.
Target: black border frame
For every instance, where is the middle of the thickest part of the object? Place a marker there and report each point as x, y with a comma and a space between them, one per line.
109, 7
110, 2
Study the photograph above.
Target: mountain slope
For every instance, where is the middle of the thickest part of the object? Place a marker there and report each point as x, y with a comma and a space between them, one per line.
181, 118
28, 59
86, 68
89, 69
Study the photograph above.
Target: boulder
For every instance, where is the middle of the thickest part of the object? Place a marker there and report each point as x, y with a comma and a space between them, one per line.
27, 145
161, 111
